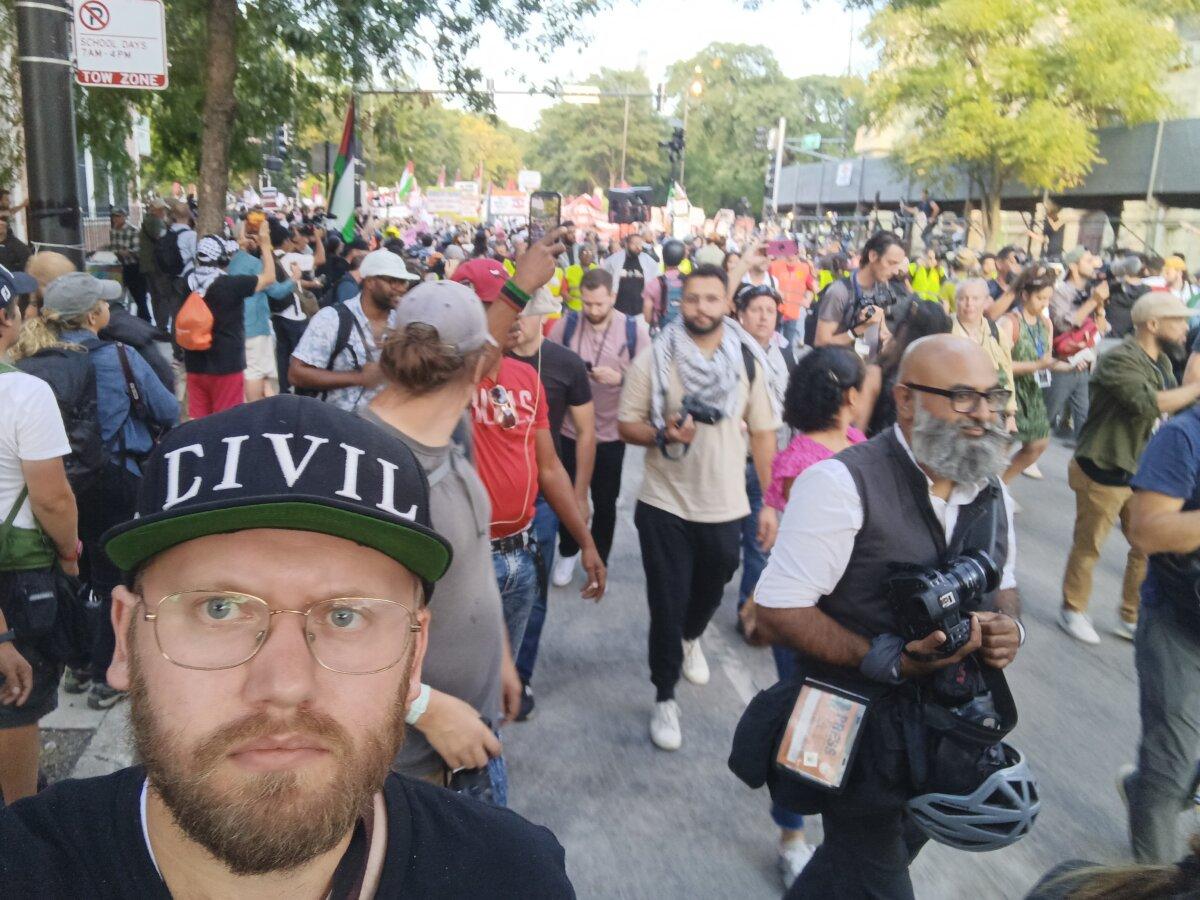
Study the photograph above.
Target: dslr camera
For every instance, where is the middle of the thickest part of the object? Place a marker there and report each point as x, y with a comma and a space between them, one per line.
926, 599
699, 411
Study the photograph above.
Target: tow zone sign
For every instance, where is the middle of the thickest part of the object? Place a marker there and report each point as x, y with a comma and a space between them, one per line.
120, 44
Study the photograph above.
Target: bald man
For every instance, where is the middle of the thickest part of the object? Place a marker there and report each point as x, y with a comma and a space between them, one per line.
921, 492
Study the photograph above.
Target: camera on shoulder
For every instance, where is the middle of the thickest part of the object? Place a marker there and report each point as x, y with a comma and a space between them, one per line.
926, 599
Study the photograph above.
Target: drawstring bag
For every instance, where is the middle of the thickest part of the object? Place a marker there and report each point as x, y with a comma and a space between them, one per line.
194, 324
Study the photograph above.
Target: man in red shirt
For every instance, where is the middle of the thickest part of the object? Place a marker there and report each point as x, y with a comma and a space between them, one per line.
796, 285
515, 458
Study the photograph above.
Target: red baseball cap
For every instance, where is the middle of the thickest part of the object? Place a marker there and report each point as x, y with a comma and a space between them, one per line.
485, 276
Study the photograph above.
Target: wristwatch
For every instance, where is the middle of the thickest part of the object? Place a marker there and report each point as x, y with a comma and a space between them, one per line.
7, 637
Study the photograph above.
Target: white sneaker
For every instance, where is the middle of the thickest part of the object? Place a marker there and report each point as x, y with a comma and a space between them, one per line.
564, 570
1123, 629
1032, 471
1078, 626
793, 858
695, 666
664, 726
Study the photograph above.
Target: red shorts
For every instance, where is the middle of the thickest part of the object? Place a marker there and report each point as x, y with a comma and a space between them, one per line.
208, 394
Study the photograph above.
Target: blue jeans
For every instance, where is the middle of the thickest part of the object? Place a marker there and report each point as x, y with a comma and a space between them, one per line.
785, 666
754, 558
545, 528
517, 576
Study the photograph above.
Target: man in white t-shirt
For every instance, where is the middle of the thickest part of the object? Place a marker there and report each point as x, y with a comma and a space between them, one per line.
33, 492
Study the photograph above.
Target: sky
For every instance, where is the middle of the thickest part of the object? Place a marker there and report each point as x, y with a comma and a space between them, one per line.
652, 34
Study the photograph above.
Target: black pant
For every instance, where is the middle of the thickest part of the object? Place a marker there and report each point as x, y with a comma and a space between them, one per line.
287, 335
864, 855
687, 566
606, 486
131, 273
109, 501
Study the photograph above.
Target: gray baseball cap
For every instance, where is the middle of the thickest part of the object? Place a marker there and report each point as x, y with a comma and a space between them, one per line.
77, 293
452, 309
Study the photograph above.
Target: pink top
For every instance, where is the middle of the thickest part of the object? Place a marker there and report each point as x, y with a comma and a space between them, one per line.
801, 453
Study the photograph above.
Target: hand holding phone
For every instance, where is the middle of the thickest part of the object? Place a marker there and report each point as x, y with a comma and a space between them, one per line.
545, 213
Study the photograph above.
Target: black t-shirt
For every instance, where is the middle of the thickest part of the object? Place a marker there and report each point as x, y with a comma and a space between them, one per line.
84, 839
226, 297
629, 291
565, 379
1120, 308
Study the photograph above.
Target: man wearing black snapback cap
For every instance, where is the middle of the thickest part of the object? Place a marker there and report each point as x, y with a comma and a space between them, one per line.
271, 638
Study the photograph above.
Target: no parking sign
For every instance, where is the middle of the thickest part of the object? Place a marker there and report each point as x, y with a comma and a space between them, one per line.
120, 43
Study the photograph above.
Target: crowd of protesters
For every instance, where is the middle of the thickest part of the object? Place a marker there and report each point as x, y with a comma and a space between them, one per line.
517, 374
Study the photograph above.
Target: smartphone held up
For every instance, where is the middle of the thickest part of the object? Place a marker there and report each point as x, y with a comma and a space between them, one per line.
545, 213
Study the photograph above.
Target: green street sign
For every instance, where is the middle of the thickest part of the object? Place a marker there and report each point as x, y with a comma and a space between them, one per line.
811, 141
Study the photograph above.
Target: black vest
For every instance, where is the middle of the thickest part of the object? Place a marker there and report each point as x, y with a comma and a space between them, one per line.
899, 526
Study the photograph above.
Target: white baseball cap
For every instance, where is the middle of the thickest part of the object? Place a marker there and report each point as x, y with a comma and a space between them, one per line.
385, 264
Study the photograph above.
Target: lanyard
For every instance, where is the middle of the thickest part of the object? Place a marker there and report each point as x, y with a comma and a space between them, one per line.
603, 338
1039, 342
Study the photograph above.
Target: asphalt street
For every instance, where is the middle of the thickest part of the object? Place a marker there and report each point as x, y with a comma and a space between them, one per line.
640, 823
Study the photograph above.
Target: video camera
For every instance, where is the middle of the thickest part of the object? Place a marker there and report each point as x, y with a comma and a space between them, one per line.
926, 599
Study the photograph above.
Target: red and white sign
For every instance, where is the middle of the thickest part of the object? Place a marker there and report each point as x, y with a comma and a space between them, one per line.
120, 44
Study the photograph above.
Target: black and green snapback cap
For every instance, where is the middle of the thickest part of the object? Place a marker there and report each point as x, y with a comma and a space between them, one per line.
286, 462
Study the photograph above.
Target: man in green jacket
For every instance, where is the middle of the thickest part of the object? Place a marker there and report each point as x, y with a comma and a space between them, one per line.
1132, 388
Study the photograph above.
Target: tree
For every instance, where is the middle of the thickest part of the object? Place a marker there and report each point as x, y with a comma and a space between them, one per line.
398, 128
240, 69
1016, 95
578, 146
743, 89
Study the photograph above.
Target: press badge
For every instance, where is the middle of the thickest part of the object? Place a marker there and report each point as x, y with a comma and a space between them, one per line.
1042, 378
822, 734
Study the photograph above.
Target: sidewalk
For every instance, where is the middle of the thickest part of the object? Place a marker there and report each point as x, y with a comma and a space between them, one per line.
108, 747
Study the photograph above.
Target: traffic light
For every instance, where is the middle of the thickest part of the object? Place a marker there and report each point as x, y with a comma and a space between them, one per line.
283, 140
760, 138
675, 145
769, 181
660, 97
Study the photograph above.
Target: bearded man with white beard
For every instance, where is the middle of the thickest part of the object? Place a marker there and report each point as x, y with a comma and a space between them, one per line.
917, 494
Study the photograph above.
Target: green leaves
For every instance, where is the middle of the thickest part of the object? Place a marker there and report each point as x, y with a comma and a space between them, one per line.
1017, 93
578, 147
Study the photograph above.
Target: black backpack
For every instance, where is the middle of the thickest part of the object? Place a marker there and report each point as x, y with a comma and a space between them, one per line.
167, 255
73, 381
341, 343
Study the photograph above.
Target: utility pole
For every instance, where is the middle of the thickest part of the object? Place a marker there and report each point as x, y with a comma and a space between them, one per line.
44, 55
624, 138
683, 150
780, 136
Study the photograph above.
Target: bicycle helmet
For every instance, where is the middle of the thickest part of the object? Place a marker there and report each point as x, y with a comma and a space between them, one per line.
999, 812
672, 252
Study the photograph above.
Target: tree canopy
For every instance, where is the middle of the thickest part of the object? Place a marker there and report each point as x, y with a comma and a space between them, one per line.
578, 146
742, 89
1016, 95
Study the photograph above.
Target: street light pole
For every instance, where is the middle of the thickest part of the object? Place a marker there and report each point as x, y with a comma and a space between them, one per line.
624, 138
683, 150
44, 55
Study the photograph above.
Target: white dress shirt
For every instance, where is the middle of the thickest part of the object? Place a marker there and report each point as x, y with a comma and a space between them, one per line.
822, 520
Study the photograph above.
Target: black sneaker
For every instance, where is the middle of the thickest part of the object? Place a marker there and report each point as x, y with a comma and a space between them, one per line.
76, 681
101, 696
526, 703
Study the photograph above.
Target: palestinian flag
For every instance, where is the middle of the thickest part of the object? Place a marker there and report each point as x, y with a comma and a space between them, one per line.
341, 206
406, 181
